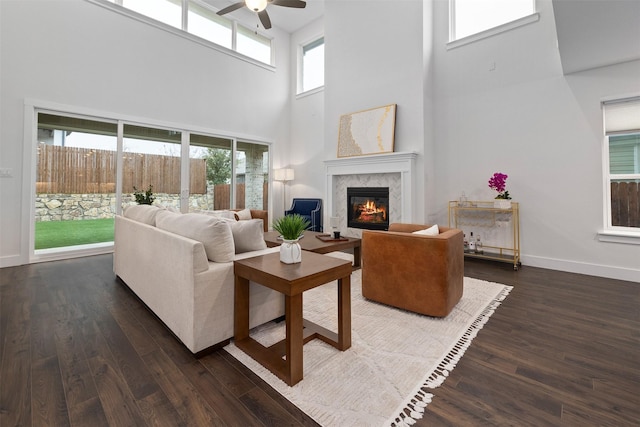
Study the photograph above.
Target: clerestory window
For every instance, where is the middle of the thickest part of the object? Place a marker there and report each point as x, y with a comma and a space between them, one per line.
199, 19
167, 11
477, 17
203, 22
311, 65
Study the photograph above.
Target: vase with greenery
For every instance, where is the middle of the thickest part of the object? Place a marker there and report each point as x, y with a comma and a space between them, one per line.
144, 197
291, 228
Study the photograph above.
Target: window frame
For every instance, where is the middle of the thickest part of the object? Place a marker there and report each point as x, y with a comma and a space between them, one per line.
611, 233
34, 107
504, 27
244, 31
197, 5
314, 42
116, 6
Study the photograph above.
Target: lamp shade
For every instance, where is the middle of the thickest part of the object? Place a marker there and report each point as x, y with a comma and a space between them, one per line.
256, 5
288, 174
283, 174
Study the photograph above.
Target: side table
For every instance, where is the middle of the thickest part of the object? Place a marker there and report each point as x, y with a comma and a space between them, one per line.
311, 243
291, 280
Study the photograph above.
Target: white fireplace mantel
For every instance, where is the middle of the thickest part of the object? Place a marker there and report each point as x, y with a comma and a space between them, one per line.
402, 163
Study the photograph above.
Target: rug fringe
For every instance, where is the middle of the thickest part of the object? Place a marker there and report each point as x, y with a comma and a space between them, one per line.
413, 409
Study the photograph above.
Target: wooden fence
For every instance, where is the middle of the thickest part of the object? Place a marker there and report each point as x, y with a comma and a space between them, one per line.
71, 170
625, 204
222, 198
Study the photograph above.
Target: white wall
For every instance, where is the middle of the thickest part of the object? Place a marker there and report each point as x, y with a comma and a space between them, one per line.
374, 57
76, 53
524, 118
306, 151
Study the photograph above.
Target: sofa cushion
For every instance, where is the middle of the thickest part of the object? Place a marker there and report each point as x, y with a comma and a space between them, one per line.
141, 213
248, 235
222, 213
431, 231
244, 214
214, 233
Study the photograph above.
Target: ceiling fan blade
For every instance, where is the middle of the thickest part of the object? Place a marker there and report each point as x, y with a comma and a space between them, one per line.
289, 3
264, 18
231, 8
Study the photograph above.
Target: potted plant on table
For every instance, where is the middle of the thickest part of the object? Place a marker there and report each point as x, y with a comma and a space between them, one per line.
498, 182
291, 228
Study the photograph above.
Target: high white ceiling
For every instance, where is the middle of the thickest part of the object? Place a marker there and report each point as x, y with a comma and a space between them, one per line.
597, 33
591, 33
291, 20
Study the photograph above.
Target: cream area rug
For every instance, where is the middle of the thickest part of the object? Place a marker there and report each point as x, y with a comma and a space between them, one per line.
395, 361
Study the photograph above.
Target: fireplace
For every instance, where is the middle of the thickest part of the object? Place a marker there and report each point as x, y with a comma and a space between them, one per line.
368, 207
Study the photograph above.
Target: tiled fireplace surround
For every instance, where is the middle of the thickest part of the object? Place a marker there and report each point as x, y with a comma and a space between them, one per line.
393, 170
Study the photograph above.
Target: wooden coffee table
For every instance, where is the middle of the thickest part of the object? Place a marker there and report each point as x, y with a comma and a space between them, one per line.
311, 243
291, 280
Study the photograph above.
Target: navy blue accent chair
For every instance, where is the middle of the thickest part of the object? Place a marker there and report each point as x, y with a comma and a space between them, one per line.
311, 209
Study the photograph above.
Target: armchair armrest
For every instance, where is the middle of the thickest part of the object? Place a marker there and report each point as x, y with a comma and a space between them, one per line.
263, 215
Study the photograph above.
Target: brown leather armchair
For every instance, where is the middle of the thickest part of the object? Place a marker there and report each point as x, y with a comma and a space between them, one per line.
419, 273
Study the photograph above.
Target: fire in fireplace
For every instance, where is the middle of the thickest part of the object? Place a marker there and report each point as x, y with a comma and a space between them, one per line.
368, 207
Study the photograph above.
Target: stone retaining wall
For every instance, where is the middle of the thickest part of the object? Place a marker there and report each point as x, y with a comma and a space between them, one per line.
65, 207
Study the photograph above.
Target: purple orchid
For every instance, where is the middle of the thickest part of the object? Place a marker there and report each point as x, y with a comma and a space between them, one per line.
498, 182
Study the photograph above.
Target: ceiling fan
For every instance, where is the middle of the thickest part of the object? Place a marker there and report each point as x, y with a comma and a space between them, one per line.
259, 6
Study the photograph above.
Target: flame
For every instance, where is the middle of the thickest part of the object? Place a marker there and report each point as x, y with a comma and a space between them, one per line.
369, 208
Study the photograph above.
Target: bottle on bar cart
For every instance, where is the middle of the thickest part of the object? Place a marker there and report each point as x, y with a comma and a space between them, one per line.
472, 244
479, 248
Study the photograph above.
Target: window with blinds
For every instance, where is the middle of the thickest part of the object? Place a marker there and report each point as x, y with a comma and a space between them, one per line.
622, 152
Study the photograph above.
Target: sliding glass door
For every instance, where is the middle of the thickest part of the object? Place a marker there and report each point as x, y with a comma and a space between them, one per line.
252, 175
210, 171
151, 162
77, 183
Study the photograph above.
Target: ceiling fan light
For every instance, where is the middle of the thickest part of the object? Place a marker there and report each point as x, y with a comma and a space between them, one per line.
256, 5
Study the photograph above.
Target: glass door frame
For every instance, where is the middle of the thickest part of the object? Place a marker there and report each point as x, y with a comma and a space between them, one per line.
31, 110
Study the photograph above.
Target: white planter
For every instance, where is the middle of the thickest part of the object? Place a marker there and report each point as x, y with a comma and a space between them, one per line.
502, 204
290, 252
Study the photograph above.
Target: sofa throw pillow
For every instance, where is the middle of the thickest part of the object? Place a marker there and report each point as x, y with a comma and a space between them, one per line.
248, 235
142, 213
244, 214
215, 234
431, 231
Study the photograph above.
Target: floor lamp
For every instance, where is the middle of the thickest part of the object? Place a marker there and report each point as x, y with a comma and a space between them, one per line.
284, 175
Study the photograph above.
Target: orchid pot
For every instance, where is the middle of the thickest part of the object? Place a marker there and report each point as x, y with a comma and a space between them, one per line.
502, 204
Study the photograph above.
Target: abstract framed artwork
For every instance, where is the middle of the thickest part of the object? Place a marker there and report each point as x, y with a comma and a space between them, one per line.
367, 132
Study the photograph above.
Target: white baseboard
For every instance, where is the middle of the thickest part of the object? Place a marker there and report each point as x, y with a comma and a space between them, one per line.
619, 273
12, 261
56, 254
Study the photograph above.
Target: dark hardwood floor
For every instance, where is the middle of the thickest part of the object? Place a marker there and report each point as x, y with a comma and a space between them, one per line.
77, 348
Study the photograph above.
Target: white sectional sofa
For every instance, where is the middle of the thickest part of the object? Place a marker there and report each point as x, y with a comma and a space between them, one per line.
181, 267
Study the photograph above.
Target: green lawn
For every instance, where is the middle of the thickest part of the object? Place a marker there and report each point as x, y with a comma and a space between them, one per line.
57, 234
